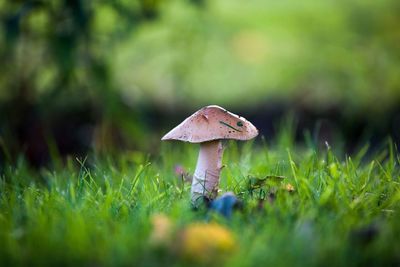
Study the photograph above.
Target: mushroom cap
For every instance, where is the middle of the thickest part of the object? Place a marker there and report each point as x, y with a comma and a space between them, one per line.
212, 123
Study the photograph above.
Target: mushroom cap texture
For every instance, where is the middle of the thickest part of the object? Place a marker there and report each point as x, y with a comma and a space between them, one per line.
212, 123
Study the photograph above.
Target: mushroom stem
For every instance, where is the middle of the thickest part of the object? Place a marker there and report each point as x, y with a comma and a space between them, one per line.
206, 176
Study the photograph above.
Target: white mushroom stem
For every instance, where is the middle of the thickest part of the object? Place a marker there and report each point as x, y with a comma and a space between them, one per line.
206, 176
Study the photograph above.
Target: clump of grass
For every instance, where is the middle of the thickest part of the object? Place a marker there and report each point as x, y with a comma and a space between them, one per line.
329, 209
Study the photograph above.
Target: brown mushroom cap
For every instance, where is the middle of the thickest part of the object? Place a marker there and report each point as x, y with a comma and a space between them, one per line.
212, 123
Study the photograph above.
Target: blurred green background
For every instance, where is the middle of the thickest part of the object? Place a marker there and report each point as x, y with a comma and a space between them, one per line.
109, 74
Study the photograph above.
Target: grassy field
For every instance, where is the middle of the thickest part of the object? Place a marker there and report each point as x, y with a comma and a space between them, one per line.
134, 210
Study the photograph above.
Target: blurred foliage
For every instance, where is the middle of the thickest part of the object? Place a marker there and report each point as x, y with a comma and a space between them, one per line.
57, 70
229, 52
100, 64
330, 53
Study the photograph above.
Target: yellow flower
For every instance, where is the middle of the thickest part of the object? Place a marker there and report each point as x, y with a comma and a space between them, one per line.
203, 242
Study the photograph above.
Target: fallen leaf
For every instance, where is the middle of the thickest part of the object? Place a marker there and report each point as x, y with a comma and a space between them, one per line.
255, 182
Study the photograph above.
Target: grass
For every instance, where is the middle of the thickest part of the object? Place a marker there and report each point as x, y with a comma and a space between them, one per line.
99, 211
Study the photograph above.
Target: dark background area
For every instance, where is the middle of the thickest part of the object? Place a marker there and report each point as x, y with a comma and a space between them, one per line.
105, 76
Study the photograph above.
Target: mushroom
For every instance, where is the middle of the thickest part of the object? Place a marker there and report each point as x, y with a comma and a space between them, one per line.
208, 126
